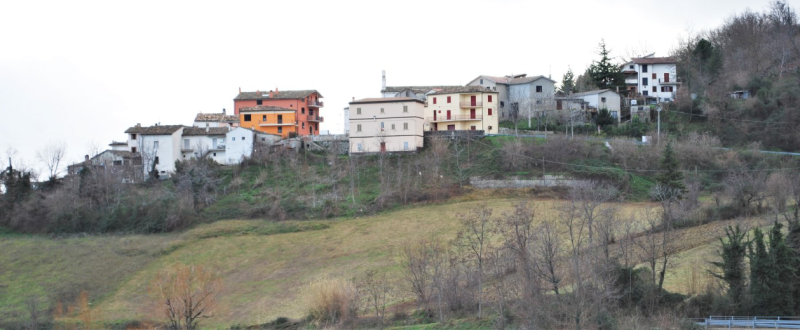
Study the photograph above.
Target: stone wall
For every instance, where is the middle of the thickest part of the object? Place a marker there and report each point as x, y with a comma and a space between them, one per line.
517, 183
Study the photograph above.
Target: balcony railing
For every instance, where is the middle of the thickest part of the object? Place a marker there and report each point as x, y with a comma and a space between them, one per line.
317, 119
633, 81
469, 104
315, 103
670, 81
455, 118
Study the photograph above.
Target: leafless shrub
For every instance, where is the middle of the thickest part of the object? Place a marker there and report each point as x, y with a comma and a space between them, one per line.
377, 288
333, 301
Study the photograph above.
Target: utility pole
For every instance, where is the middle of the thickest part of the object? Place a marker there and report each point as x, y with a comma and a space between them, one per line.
658, 110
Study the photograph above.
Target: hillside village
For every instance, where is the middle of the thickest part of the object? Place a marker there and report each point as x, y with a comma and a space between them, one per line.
647, 191
397, 121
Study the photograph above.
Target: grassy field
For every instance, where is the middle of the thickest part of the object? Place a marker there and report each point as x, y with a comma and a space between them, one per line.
265, 266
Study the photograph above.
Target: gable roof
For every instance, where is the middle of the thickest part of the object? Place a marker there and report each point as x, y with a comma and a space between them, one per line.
465, 89
386, 100
525, 80
154, 130
199, 131
119, 153
216, 117
415, 89
654, 60
263, 108
117, 143
594, 92
276, 95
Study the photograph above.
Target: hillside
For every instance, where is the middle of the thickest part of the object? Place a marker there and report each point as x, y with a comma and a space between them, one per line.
264, 265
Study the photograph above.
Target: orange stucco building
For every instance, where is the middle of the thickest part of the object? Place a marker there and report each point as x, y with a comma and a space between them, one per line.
298, 110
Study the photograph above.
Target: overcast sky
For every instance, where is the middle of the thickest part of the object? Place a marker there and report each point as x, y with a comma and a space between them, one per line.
82, 72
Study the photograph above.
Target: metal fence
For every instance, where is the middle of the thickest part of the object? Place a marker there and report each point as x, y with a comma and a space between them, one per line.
749, 322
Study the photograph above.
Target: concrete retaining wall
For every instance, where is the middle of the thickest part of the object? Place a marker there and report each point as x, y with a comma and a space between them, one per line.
517, 183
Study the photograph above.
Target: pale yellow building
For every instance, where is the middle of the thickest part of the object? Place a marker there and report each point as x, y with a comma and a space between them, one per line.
386, 125
463, 108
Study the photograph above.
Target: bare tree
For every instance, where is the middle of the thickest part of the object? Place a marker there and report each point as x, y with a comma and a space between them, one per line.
51, 156
185, 295
657, 247
377, 288
474, 238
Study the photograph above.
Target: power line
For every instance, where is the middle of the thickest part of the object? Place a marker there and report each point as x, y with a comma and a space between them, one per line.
638, 170
739, 120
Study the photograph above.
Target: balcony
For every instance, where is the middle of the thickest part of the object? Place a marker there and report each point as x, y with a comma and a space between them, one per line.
440, 119
633, 81
671, 81
315, 104
469, 104
276, 123
316, 119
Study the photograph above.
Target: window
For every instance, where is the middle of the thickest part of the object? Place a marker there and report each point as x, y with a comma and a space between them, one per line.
382, 111
310, 112
490, 111
538, 101
481, 81
538, 89
381, 126
280, 129
155, 145
405, 108
280, 119
405, 145
185, 143
206, 124
304, 125
360, 147
233, 138
434, 100
490, 99
259, 102
303, 111
264, 139
133, 136
156, 160
502, 104
602, 99
264, 117
644, 81
490, 128
654, 89
117, 163
654, 76
630, 66
472, 128
448, 99
393, 127
405, 126
215, 154
133, 149
246, 117
358, 128
358, 111
243, 138
644, 67
644, 93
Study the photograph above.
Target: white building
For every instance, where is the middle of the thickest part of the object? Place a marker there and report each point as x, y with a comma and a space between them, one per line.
216, 120
386, 125
601, 99
159, 147
204, 142
347, 120
652, 76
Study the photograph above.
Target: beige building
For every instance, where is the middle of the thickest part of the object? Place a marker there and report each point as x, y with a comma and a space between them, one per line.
463, 108
386, 125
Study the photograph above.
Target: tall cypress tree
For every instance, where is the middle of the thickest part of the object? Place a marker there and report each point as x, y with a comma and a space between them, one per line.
760, 276
671, 177
784, 267
732, 265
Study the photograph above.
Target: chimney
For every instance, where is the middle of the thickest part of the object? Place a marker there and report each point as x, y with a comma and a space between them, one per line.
86, 158
240, 90
276, 89
383, 85
223, 111
271, 93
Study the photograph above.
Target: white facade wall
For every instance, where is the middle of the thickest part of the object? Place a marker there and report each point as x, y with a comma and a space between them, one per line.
164, 148
646, 82
398, 130
193, 146
606, 100
347, 120
502, 91
238, 145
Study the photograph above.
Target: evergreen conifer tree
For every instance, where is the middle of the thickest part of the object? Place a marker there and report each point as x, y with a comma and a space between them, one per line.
604, 73
732, 265
568, 82
671, 177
